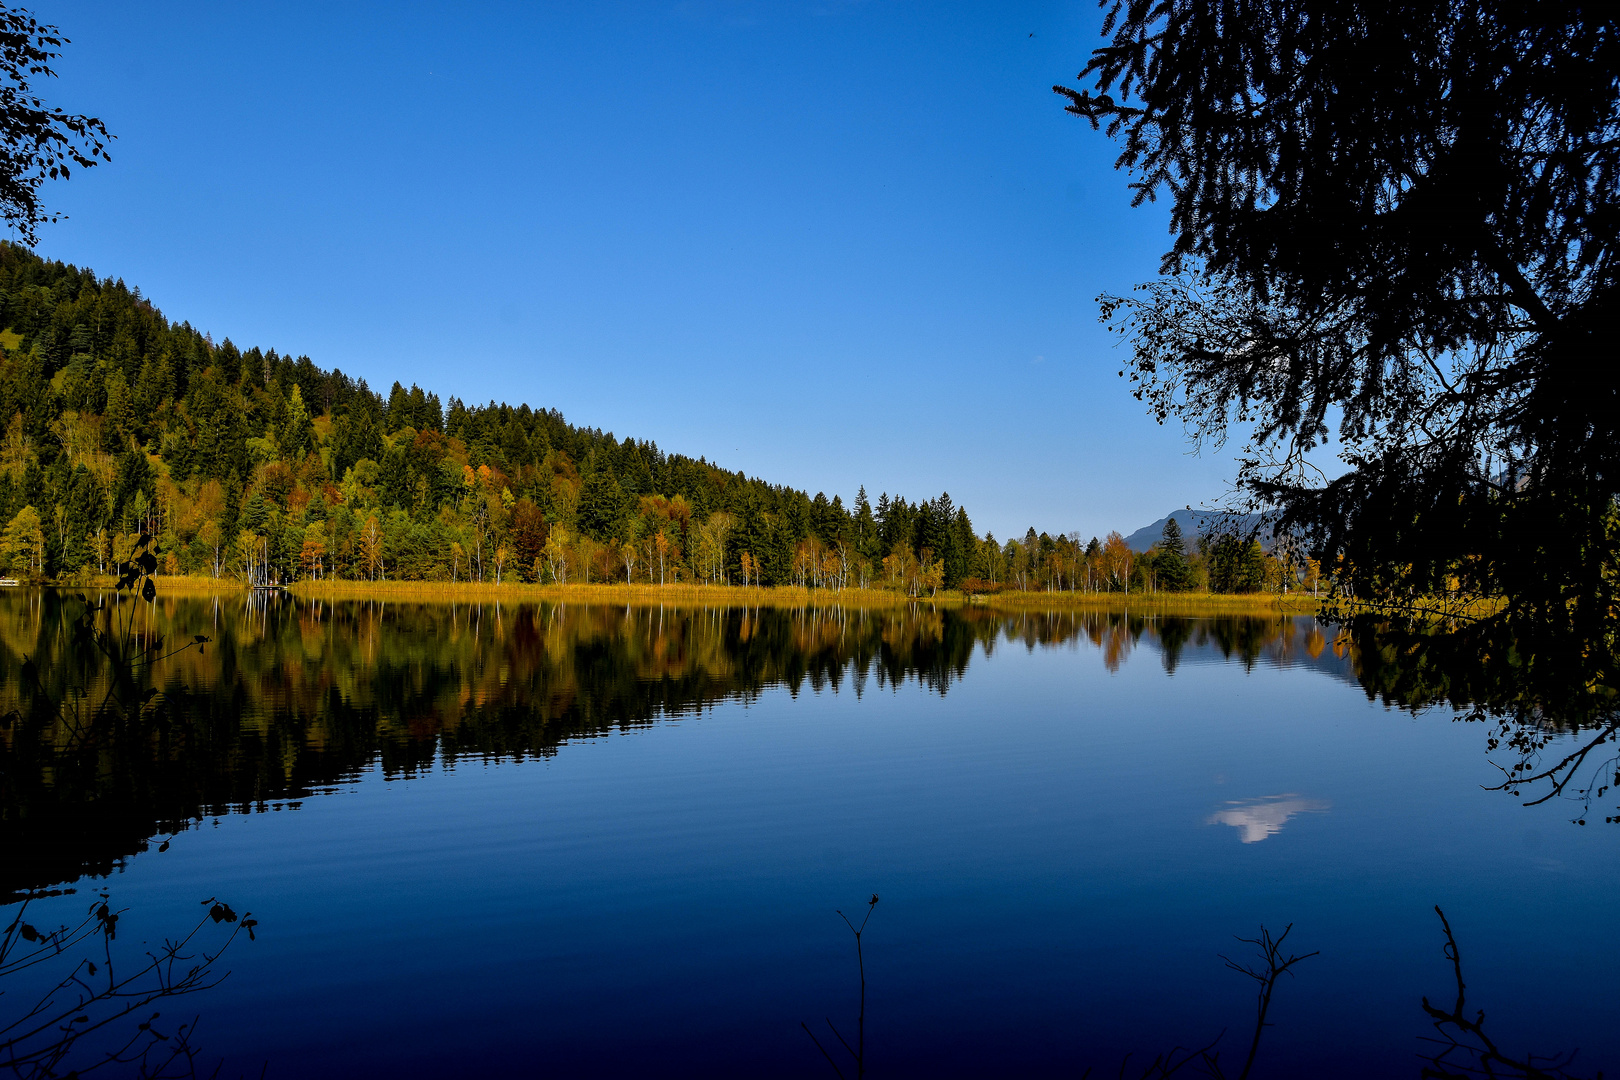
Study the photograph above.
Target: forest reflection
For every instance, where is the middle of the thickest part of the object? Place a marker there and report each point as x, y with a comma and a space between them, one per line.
293, 697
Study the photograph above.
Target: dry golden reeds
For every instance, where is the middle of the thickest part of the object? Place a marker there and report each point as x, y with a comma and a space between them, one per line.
780, 596
797, 596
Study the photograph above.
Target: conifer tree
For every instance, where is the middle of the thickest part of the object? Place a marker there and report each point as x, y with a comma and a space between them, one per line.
1174, 575
287, 445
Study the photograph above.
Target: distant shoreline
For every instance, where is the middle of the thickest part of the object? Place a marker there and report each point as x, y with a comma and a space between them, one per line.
787, 596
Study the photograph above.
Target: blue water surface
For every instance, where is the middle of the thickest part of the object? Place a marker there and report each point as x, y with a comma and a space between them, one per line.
1064, 850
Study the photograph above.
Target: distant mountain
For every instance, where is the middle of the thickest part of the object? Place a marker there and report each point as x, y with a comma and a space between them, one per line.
1195, 523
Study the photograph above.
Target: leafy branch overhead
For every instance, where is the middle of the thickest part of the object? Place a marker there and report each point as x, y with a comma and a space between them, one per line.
1396, 228
38, 142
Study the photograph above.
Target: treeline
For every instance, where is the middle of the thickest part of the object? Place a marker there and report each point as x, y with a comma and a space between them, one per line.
1230, 561
254, 465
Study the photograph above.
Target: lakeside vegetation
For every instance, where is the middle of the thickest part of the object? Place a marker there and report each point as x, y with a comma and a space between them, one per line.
250, 465
689, 594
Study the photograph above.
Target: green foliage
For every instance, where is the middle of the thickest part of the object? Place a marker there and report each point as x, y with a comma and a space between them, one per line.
1170, 564
118, 421
231, 456
1236, 564
22, 546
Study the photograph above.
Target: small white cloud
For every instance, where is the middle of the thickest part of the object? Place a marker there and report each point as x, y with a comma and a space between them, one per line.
1259, 818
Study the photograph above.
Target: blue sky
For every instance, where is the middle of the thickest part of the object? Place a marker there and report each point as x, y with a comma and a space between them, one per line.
829, 244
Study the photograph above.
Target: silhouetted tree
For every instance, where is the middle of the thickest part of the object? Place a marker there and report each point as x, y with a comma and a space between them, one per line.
37, 142
1401, 219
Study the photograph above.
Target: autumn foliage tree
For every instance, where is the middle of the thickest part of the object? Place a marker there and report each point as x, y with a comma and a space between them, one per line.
249, 463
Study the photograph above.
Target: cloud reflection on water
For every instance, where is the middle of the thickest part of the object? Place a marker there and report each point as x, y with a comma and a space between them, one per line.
1265, 816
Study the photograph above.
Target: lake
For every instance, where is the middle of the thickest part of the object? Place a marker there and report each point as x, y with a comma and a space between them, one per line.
565, 840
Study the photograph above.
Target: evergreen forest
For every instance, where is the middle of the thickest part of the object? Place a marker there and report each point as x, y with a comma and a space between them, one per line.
258, 466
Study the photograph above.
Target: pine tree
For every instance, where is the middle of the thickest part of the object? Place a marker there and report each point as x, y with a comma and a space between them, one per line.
601, 506
297, 436
866, 529
964, 551
1174, 575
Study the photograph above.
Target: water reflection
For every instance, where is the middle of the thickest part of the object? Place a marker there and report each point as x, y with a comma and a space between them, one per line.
294, 697
1256, 819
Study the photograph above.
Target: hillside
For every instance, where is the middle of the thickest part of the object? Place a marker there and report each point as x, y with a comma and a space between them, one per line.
249, 463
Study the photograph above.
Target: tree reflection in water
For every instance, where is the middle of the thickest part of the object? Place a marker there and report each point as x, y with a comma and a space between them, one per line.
295, 697
1550, 705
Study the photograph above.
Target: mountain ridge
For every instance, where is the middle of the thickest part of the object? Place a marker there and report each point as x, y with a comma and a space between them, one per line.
1196, 523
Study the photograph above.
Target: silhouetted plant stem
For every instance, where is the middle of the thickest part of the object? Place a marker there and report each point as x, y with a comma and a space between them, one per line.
1272, 968
823, 1049
858, 1051
1275, 968
89, 1003
1481, 1055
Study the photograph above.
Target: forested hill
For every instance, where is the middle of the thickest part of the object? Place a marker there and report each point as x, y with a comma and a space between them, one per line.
249, 463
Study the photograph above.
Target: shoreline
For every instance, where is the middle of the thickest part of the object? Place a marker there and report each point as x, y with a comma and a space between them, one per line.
783, 596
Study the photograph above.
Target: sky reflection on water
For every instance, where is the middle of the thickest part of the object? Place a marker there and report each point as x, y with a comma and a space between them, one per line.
627, 858
1256, 819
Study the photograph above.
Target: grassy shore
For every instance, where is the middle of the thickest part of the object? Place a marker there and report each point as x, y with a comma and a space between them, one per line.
683, 594
795, 596
785, 596
1199, 603
184, 583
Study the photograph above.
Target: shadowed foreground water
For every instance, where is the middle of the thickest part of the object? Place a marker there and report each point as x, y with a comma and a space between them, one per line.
610, 841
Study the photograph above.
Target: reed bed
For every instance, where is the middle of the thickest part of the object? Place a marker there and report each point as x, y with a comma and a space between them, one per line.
779, 596
1165, 603
684, 594
177, 583
793, 596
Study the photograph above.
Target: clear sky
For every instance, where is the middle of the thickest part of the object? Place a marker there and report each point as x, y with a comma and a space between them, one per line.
826, 243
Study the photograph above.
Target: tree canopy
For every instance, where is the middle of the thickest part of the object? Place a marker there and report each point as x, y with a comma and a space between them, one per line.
249, 463
115, 422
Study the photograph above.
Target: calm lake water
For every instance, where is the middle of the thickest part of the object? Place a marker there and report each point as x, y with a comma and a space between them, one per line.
591, 841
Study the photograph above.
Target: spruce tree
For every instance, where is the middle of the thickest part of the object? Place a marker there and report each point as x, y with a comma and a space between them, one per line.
1171, 565
601, 506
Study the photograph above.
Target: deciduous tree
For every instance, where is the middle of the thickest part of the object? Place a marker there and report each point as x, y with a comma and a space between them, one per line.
22, 547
